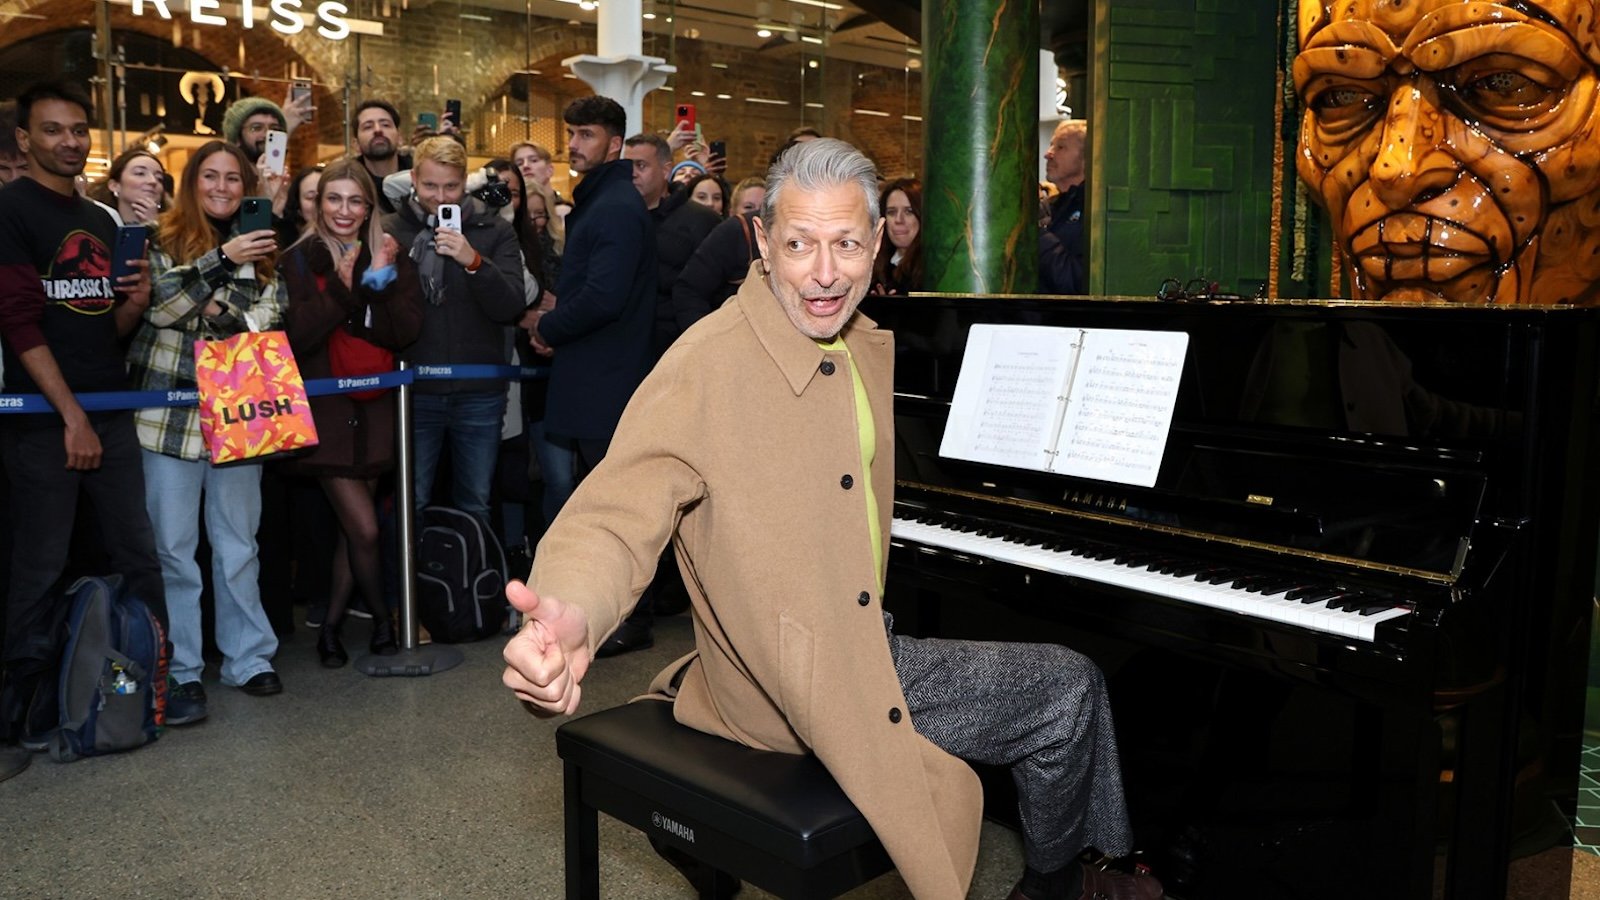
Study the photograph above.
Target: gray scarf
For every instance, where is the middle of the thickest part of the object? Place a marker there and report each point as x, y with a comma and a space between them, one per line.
430, 265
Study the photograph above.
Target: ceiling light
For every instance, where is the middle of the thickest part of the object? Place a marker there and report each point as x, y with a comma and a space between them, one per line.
810, 39
811, 64
814, 105
587, 5
762, 31
697, 93
820, 4
870, 112
724, 96
650, 15
769, 102
719, 65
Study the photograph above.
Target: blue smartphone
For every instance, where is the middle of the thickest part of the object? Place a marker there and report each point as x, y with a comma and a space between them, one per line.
130, 246
428, 120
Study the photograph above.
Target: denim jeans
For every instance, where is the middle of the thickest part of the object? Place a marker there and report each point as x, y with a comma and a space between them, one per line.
556, 466
471, 424
232, 496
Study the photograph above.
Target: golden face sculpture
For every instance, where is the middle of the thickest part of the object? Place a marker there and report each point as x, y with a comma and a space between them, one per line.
1456, 146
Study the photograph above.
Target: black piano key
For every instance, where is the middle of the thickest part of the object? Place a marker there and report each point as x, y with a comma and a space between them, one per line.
1318, 596
1374, 608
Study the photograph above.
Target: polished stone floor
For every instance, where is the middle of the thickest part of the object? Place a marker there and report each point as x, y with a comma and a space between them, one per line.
355, 787
352, 787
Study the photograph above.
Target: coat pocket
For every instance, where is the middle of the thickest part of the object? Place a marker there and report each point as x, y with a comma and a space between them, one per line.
796, 657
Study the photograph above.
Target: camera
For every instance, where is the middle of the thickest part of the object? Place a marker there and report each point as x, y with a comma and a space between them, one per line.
494, 193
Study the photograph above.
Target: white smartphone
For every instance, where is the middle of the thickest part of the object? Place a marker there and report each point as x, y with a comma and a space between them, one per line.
450, 216
277, 151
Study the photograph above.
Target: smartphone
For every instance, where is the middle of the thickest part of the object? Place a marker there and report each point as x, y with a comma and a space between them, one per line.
452, 111
300, 90
719, 149
686, 113
276, 152
130, 246
450, 216
255, 214
428, 120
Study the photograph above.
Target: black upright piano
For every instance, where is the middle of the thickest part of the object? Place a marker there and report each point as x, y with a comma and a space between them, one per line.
1346, 632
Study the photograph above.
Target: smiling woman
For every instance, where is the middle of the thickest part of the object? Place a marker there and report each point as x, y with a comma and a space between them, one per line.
209, 281
135, 187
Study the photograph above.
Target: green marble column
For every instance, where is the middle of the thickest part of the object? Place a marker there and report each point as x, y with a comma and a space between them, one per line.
980, 111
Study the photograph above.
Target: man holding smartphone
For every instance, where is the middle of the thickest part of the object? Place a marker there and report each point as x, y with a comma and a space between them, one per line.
62, 319
470, 265
602, 323
247, 124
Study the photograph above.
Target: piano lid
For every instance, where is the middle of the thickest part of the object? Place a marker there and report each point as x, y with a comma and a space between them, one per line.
1376, 434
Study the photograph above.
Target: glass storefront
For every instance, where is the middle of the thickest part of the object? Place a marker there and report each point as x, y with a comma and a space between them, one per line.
163, 72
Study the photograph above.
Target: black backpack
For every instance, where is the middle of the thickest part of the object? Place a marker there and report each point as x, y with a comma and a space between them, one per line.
113, 678
461, 577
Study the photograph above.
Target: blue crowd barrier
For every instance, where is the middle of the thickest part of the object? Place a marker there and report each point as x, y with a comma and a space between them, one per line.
99, 401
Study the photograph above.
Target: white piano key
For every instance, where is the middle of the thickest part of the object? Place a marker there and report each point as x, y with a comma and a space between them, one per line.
1275, 607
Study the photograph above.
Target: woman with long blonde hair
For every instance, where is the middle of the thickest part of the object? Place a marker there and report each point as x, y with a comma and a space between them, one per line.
347, 279
209, 281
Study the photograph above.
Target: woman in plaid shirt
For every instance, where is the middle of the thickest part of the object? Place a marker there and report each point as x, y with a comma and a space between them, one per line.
209, 282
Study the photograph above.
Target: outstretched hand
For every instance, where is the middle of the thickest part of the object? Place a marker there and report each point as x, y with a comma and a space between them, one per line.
547, 659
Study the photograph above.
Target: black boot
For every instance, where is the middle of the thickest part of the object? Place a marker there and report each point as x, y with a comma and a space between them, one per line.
329, 648
383, 642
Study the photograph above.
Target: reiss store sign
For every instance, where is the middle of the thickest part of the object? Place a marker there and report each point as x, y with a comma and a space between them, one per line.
330, 17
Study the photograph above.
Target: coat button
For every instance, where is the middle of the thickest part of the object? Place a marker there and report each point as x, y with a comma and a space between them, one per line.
894, 715
846, 482
864, 599
827, 367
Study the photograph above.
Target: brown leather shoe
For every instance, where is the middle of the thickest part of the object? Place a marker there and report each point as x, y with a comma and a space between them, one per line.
1109, 884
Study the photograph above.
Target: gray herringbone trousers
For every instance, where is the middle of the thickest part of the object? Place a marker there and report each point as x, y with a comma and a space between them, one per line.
1040, 709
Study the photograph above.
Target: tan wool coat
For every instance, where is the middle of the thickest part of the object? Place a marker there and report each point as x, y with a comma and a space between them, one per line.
737, 448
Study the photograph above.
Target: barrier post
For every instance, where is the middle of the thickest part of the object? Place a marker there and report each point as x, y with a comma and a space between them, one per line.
413, 659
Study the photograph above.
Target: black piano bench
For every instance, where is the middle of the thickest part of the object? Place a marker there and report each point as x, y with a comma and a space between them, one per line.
776, 820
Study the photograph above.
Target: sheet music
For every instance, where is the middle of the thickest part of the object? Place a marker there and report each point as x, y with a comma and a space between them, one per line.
1095, 403
1120, 410
1008, 396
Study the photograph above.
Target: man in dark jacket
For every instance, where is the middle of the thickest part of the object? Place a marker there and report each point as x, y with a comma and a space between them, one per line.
715, 271
680, 226
473, 292
1061, 266
604, 318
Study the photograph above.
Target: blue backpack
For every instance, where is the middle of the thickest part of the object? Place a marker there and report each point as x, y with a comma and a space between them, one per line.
113, 681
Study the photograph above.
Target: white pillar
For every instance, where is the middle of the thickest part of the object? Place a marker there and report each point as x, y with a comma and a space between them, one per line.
621, 31
618, 69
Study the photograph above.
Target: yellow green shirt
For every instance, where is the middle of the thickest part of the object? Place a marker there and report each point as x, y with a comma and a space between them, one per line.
867, 436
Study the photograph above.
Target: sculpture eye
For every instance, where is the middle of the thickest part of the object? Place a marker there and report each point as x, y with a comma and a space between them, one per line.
1505, 93
1343, 99
1342, 110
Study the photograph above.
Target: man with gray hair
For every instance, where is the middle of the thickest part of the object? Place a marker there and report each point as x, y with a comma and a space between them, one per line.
762, 447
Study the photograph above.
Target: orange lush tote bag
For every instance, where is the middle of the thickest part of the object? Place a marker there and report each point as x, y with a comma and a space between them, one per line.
252, 400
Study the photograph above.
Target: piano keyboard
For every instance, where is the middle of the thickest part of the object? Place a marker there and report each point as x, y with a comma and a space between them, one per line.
1279, 599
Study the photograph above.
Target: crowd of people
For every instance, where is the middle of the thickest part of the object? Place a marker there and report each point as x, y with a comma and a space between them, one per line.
599, 286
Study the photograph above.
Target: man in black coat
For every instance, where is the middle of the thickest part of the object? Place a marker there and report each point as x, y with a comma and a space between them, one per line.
1061, 250
604, 318
680, 226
